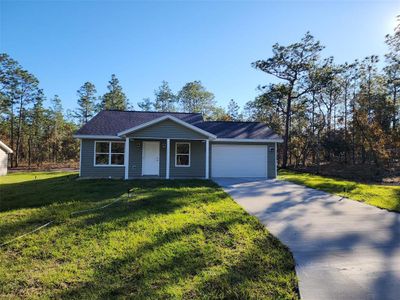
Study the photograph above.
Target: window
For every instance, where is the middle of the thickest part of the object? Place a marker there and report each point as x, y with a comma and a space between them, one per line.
182, 155
109, 153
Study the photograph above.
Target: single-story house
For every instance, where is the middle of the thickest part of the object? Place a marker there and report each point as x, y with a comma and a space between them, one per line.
137, 144
4, 151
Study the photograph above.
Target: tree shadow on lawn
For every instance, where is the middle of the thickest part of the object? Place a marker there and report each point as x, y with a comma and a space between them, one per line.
397, 207
338, 187
171, 257
60, 196
155, 203
189, 261
63, 189
314, 244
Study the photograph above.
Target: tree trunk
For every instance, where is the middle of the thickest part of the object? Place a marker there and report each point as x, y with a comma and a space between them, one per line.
313, 129
29, 151
345, 121
12, 136
394, 107
286, 137
318, 153
17, 149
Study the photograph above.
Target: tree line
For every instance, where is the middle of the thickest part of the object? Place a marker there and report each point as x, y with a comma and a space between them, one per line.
326, 112
39, 134
329, 112
193, 97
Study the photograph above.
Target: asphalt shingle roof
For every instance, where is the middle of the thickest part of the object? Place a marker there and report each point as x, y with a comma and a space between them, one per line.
239, 130
111, 122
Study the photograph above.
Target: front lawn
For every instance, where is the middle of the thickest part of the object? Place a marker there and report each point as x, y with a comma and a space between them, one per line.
383, 196
169, 239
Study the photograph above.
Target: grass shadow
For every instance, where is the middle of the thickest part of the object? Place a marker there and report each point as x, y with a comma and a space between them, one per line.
162, 268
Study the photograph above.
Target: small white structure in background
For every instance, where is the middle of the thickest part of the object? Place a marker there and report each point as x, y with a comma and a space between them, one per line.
4, 151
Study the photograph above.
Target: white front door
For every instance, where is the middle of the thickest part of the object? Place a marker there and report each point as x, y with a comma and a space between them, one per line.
151, 158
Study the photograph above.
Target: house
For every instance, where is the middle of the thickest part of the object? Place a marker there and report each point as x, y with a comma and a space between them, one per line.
4, 151
137, 144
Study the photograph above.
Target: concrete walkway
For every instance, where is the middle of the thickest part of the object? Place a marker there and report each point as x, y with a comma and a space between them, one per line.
343, 249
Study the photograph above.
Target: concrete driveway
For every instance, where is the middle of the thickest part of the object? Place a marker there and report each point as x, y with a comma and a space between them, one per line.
343, 249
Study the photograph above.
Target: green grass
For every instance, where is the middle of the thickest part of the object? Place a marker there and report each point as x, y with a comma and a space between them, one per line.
171, 240
383, 196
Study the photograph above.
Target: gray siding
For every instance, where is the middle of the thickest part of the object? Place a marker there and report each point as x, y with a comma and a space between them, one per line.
135, 158
270, 159
197, 161
87, 164
167, 129
196, 169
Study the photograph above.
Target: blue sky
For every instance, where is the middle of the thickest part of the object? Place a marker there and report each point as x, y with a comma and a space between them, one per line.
67, 43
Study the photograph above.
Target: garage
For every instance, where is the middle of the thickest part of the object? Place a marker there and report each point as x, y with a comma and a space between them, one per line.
238, 160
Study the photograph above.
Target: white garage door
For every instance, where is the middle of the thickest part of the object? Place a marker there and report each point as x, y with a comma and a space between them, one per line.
239, 161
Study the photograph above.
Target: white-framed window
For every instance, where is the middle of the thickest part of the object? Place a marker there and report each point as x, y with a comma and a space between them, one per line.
182, 154
109, 153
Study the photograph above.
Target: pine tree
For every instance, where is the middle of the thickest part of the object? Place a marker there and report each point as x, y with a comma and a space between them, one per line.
233, 111
392, 70
292, 64
114, 99
86, 102
57, 123
146, 104
164, 98
194, 98
37, 139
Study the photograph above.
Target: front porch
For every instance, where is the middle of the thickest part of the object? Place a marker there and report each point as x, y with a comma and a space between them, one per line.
166, 158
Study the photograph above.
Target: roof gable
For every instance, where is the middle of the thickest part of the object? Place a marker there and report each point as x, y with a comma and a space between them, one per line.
112, 122
190, 129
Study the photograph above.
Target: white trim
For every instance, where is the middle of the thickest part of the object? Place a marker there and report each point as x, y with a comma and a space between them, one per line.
163, 118
109, 154
207, 159
176, 155
7, 149
95, 137
233, 140
159, 157
266, 161
276, 161
167, 164
126, 158
113, 137
165, 138
80, 158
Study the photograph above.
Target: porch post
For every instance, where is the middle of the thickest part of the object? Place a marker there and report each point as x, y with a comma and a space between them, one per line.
207, 159
167, 160
126, 157
80, 157
276, 160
